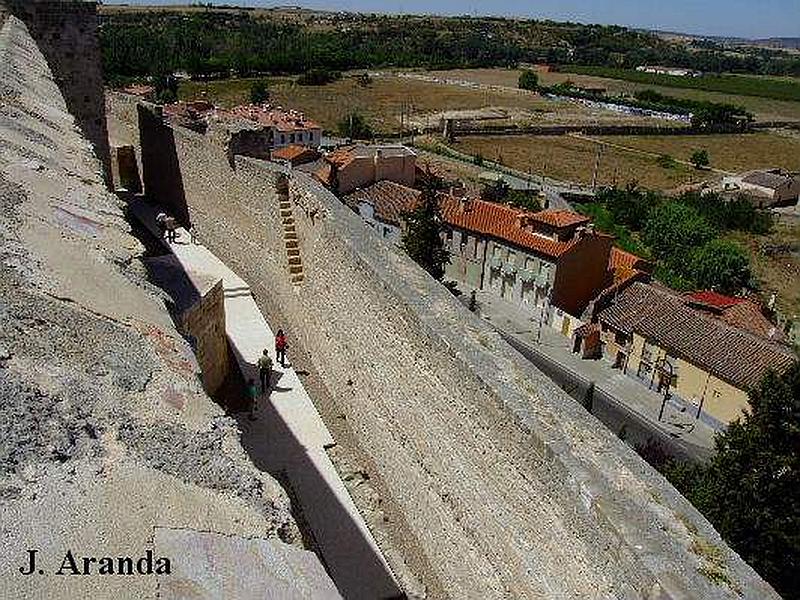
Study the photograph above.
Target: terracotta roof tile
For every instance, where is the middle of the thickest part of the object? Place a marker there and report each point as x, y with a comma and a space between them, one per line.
712, 299
295, 153
741, 313
621, 258
560, 218
389, 200
282, 120
501, 222
733, 355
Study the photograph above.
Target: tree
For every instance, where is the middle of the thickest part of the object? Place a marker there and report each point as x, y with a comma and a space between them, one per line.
424, 230
528, 80
673, 230
318, 77
259, 93
166, 88
355, 126
720, 265
750, 491
699, 159
630, 205
495, 191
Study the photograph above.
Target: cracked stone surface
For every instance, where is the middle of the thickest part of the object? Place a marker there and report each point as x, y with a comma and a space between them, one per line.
106, 430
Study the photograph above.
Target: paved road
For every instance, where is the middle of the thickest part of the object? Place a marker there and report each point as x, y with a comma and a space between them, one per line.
631, 403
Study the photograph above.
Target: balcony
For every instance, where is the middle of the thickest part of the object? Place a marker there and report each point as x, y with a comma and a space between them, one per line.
527, 275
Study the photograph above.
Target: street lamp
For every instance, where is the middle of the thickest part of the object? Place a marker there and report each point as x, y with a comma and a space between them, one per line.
663, 367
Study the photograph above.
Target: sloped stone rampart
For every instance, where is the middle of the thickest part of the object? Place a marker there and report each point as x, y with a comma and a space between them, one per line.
496, 483
106, 431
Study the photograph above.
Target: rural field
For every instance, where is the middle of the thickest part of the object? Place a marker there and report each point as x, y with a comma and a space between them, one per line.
388, 96
635, 158
765, 109
571, 158
778, 88
727, 152
775, 260
382, 102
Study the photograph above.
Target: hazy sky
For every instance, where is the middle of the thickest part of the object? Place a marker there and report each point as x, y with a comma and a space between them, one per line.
744, 18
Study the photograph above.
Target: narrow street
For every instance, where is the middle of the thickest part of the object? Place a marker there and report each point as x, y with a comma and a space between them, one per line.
632, 403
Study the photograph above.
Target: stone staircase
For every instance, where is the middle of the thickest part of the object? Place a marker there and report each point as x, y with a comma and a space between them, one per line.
291, 241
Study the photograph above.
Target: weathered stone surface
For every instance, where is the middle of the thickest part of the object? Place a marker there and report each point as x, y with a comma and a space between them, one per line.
95, 449
218, 566
492, 482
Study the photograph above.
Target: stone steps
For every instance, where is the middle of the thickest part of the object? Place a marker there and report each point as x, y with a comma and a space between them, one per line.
292, 243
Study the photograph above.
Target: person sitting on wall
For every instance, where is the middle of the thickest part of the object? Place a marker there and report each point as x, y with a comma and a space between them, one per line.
161, 223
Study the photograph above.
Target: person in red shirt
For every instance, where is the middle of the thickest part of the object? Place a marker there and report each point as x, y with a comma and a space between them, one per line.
280, 348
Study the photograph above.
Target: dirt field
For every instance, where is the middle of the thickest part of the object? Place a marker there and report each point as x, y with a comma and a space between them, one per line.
777, 271
763, 108
727, 152
572, 159
382, 102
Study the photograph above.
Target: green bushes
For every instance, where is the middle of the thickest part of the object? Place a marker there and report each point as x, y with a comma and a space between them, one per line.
528, 80
318, 77
682, 235
259, 92
355, 126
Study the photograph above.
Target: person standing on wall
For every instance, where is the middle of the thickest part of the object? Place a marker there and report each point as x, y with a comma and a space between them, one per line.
172, 228
280, 348
265, 371
252, 397
161, 222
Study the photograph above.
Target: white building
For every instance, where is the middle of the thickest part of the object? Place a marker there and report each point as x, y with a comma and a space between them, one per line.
765, 188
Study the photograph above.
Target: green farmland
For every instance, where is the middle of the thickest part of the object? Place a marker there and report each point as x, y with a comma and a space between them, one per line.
741, 85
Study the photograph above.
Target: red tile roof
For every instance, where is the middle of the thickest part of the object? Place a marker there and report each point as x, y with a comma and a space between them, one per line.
194, 110
560, 218
741, 313
295, 153
712, 299
501, 222
733, 355
389, 200
747, 315
621, 258
282, 120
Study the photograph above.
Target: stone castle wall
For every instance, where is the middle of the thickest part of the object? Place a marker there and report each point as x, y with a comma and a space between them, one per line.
107, 433
205, 322
65, 33
500, 485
